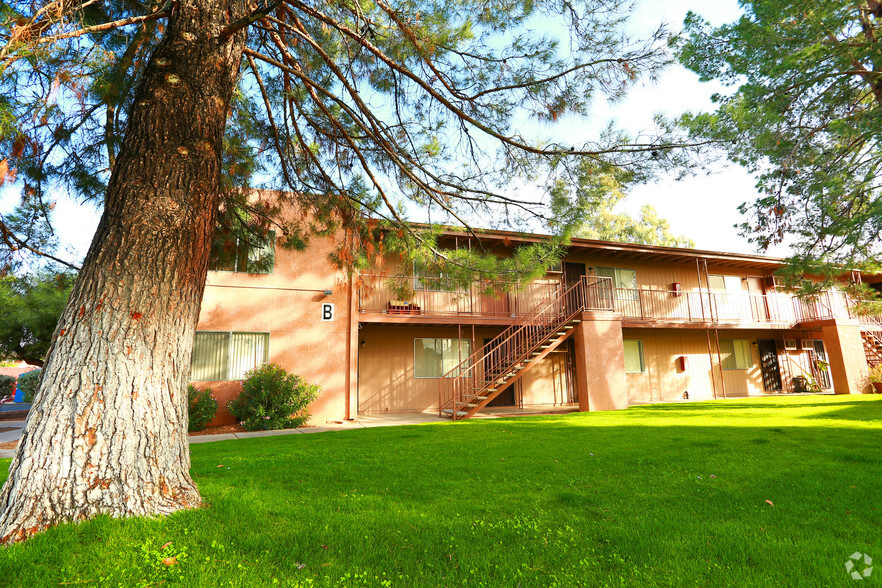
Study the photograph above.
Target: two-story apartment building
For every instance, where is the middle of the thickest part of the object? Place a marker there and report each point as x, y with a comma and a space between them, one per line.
614, 324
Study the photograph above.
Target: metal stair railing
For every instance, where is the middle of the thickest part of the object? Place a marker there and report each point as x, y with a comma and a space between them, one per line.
487, 370
871, 333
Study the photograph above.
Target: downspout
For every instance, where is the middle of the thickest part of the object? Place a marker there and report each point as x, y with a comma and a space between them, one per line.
710, 356
701, 300
710, 298
348, 395
720, 360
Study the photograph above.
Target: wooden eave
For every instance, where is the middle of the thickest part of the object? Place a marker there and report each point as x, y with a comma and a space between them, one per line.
627, 251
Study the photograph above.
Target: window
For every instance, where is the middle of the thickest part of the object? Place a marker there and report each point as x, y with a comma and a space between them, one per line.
227, 356
431, 279
717, 283
724, 283
735, 354
634, 356
230, 253
432, 358
623, 280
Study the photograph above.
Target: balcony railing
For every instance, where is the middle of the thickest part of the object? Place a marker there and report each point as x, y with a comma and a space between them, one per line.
726, 307
437, 297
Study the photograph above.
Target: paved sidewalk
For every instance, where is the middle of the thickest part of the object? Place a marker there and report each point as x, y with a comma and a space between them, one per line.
363, 422
10, 435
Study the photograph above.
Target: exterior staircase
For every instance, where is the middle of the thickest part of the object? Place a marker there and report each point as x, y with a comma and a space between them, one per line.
871, 333
873, 347
477, 380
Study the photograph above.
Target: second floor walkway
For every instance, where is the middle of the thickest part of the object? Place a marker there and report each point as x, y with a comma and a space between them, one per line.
413, 299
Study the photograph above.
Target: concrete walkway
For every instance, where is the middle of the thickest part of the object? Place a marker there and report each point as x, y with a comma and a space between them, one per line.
10, 435
363, 422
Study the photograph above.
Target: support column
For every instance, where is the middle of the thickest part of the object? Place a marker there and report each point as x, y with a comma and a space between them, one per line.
600, 362
353, 348
848, 361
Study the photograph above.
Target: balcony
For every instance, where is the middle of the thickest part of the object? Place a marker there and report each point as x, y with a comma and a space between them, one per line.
646, 305
414, 299
383, 299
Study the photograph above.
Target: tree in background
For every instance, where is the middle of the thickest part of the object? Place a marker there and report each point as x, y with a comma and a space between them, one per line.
805, 117
29, 309
172, 113
595, 190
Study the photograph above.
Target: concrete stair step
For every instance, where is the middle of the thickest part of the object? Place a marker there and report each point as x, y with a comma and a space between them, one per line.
449, 412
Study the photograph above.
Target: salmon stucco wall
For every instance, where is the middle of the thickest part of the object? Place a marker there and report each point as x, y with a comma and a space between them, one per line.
664, 380
287, 304
848, 361
386, 382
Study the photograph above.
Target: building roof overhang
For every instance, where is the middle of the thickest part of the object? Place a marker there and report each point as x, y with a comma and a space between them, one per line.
626, 251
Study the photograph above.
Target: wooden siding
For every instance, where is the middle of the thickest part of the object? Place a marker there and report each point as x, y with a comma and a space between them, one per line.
663, 381
547, 384
386, 381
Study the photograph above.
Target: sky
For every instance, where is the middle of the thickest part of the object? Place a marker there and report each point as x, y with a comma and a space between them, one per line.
701, 207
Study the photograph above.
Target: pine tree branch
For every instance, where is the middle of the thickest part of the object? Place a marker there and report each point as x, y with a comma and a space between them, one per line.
15, 243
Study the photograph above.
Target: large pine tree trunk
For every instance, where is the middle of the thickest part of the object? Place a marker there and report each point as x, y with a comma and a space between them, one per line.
108, 429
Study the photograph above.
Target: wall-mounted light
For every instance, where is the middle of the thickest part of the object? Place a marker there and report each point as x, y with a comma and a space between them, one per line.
327, 292
362, 343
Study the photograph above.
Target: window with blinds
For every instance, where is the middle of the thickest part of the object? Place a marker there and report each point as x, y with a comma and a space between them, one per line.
623, 280
634, 356
230, 253
433, 358
227, 356
431, 279
735, 354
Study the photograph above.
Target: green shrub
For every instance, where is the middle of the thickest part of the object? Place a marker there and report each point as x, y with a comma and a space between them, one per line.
201, 407
7, 386
272, 398
28, 383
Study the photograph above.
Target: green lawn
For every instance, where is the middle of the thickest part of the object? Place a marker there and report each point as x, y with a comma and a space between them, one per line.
658, 495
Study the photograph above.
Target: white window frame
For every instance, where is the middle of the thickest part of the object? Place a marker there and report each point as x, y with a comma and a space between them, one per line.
270, 240
621, 293
229, 362
640, 352
734, 355
465, 355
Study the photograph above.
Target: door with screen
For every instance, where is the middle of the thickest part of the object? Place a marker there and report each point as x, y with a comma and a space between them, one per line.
823, 368
768, 353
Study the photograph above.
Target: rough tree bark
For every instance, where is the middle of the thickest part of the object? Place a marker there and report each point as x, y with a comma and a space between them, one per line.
108, 429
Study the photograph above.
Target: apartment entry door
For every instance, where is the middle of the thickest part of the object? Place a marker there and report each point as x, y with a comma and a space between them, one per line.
573, 272
768, 353
507, 396
823, 375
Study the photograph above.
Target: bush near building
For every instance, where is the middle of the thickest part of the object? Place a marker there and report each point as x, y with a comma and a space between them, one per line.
272, 398
201, 407
7, 386
28, 383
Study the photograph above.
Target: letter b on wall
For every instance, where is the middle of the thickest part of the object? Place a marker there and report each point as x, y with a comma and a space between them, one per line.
327, 311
